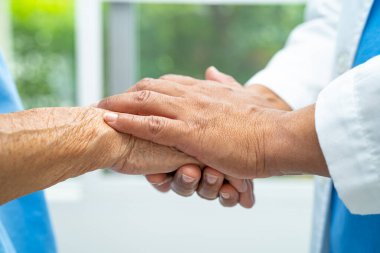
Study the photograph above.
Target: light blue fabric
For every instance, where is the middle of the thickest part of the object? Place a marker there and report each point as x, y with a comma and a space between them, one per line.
348, 232
24, 222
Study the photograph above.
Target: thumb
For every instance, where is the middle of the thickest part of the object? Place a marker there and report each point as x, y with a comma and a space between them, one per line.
213, 74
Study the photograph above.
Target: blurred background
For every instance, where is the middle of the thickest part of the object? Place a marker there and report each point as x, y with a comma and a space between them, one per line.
67, 53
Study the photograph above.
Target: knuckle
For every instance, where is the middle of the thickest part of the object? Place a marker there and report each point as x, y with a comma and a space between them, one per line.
134, 118
230, 78
142, 96
227, 88
166, 76
155, 125
143, 84
105, 103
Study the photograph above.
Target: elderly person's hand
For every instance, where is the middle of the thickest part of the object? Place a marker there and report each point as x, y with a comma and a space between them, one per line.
44, 146
209, 184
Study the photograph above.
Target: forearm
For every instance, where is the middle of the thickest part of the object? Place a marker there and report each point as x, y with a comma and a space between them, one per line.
42, 147
292, 145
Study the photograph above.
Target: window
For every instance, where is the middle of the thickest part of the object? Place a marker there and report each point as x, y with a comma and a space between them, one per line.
54, 57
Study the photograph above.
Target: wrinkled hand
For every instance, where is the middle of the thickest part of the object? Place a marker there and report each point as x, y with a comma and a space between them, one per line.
209, 183
140, 157
217, 124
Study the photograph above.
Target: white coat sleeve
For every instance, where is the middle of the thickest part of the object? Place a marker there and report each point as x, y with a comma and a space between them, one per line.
299, 71
348, 126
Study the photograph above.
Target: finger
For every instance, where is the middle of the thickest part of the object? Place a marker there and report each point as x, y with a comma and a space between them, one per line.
184, 80
156, 129
143, 103
228, 195
186, 180
213, 74
163, 86
247, 198
239, 184
210, 184
160, 181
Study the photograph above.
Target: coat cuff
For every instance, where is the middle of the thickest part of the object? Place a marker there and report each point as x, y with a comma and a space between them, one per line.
349, 152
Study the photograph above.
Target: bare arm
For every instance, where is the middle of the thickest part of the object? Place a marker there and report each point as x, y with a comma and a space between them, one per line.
41, 147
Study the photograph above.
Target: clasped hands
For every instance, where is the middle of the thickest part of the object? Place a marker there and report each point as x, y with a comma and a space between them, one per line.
220, 124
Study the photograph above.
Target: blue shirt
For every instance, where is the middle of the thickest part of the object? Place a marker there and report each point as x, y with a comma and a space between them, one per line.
348, 232
24, 222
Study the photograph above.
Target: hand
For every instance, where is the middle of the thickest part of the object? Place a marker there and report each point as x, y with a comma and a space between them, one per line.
68, 142
141, 157
210, 182
196, 105
187, 178
219, 126
236, 189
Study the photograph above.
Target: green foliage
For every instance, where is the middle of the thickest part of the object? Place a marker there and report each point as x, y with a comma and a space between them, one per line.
183, 39
43, 32
186, 39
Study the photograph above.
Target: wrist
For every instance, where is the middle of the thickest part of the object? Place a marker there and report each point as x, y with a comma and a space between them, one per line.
105, 146
44, 146
293, 146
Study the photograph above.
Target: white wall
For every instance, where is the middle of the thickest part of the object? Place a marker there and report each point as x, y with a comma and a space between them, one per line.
122, 214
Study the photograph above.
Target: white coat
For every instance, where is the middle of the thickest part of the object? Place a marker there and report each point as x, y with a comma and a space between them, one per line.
315, 68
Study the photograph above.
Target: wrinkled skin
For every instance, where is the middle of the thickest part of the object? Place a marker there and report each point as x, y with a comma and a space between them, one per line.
210, 183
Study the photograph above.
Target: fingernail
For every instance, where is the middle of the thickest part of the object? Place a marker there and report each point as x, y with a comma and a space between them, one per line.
187, 179
162, 182
225, 195
211, 179
110, 116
